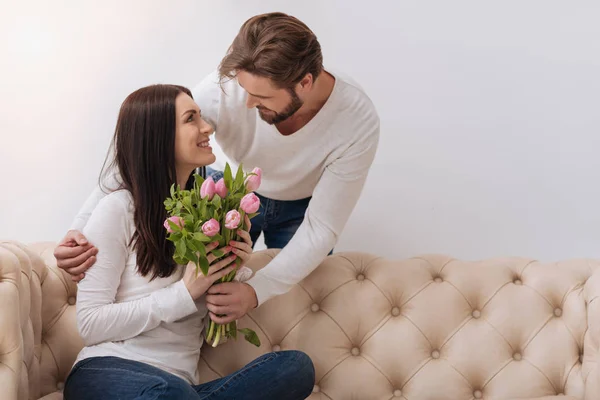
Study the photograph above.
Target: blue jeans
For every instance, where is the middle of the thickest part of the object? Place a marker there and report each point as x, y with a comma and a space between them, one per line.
284, 375
277, 219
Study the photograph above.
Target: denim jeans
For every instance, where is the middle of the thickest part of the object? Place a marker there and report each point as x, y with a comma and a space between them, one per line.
277, 219
284, 375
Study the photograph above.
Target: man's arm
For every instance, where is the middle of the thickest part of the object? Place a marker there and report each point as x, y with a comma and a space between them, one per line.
332, 202
74, 253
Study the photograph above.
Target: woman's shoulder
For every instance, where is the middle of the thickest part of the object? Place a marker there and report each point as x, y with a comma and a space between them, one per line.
116, 204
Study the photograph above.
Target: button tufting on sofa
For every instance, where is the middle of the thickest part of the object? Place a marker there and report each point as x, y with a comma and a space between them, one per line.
355, 351
438, 279
348, 315
517, 357
476, 314
557, 312
276, 348
71, 300
360, 277
517, 281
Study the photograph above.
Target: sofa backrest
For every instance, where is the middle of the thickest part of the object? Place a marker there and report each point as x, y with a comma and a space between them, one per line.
424, 328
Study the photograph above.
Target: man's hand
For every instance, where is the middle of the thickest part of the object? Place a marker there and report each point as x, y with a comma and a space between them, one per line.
75, 255
232, 300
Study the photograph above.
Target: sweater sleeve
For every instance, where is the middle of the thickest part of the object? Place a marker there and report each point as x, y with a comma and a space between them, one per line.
333, 200
99, 317
82, 217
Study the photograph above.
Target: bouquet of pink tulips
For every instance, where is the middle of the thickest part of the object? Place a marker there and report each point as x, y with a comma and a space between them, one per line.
207, 213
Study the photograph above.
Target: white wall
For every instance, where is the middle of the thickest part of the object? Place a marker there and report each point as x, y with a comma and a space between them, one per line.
489, 110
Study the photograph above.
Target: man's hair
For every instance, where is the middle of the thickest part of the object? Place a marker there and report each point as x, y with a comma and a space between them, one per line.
275, 46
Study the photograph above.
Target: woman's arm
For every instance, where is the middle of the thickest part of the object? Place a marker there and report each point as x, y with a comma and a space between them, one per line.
99, 318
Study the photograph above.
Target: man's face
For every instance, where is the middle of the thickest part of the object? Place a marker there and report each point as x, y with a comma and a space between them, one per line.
274, 105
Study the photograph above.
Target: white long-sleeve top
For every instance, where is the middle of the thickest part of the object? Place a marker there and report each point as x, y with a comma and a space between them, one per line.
328, 159
123, 314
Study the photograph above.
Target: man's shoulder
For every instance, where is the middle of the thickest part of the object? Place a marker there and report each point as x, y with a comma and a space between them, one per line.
118, 203
353, 96
213, 88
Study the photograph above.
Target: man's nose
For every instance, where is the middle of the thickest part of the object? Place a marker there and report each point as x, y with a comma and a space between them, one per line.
251, 102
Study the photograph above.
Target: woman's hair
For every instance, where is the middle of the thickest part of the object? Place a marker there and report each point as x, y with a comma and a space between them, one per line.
275, 46
143, 149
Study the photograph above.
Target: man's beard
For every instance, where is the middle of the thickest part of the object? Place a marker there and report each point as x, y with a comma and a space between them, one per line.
271, 117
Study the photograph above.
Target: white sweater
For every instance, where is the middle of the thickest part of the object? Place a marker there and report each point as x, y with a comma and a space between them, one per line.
122, 314
327, 159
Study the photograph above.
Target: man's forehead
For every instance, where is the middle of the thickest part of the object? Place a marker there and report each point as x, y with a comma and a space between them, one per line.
255, 84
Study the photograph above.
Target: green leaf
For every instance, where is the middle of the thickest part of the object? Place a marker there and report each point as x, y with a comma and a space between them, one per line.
193, 245
179, 260
253, 215
239, 177
233, 330
250, 336
173, 190
180, 248
217, 253
174, 226
204, 265
227, 177
201, 237
191, 255
217, 201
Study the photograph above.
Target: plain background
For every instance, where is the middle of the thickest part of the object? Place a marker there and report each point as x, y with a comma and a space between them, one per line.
490, 129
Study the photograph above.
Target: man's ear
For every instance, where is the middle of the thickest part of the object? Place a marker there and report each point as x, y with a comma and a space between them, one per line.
306, 83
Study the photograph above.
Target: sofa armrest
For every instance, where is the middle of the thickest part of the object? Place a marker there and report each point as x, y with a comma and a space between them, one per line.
11, 339
591, 355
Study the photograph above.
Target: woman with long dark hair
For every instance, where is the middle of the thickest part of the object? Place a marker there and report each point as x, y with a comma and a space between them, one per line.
140, 314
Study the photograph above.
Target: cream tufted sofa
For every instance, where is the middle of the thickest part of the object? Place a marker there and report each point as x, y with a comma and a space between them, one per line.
429, 328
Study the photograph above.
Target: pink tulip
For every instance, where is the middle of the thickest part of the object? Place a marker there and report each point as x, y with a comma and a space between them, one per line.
207, 189
176, 220
250, 203
221, 188
232, 219
211, 227
253, 181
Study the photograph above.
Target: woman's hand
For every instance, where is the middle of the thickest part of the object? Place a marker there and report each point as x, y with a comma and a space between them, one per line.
229, 301
197, 285
242, 249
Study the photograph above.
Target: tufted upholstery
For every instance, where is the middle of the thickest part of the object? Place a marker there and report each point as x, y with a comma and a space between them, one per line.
425, 328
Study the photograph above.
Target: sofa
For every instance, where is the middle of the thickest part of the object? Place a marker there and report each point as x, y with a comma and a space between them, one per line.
429, 327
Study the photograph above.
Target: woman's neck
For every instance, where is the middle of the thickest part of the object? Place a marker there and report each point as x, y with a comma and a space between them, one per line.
183, 174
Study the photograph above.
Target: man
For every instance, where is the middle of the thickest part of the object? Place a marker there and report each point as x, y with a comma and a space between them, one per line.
313, 133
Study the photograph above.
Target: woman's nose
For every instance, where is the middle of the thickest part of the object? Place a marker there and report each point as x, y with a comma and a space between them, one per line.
205, 127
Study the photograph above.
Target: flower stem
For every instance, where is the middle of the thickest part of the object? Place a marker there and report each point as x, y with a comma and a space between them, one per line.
217, 337
211, 329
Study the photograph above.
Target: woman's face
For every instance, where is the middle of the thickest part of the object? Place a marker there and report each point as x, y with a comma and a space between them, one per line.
192, 147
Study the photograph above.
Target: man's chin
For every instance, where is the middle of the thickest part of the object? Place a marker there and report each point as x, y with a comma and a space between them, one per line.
267, 118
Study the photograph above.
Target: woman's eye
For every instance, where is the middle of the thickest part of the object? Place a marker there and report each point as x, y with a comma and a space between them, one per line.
191, 118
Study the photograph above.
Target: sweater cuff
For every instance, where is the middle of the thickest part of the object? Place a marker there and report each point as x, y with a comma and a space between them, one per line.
261, 286
176, 302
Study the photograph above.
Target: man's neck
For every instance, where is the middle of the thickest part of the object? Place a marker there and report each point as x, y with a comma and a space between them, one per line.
311, 107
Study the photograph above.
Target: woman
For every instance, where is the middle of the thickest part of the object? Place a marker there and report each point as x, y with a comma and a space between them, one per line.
140, 315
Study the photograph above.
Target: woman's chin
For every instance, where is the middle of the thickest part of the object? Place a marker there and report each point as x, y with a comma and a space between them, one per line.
206, 159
